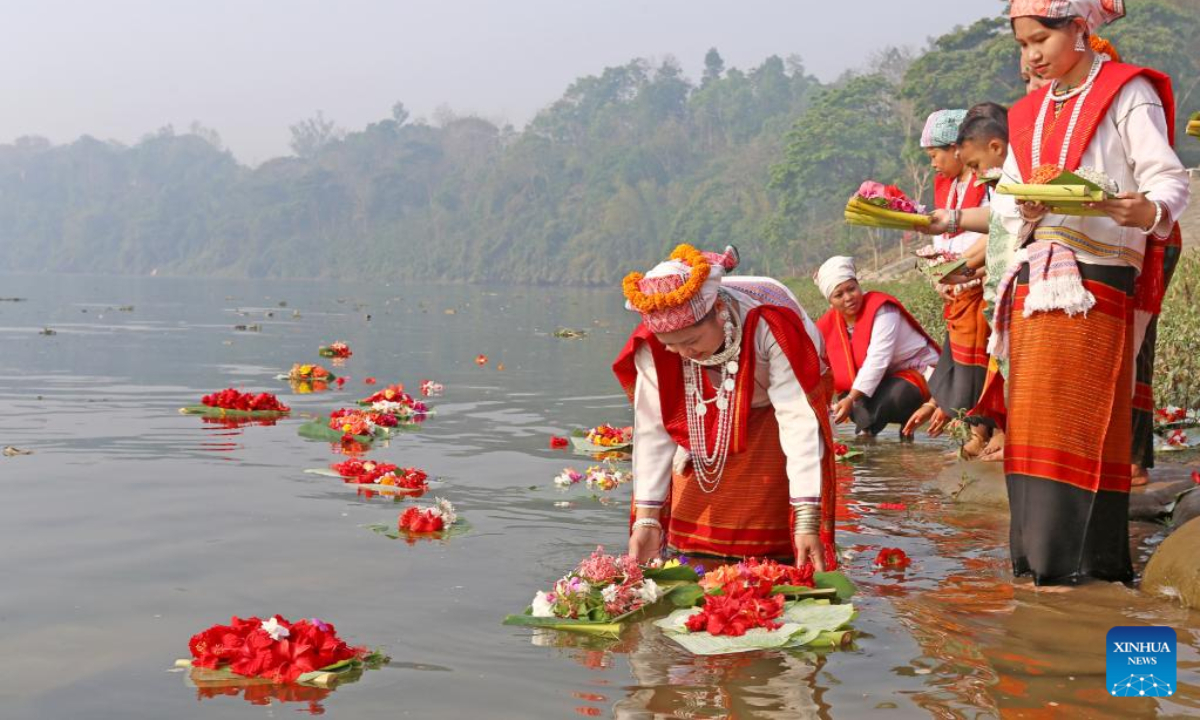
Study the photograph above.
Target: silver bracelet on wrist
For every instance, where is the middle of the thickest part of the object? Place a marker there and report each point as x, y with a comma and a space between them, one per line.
952, 223
808, 519
647, 522
1158, 216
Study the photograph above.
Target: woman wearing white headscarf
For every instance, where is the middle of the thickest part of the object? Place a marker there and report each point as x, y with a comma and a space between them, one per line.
880, 355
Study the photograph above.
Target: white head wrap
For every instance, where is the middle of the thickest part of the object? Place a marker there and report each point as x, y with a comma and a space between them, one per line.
834, 272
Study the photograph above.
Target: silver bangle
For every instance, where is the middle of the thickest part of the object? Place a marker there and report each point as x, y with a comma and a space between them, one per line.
808, 519
952, 223
1158, 216
647, 522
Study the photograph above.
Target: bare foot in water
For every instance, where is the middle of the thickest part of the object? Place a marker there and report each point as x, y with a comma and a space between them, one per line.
994, 452
1140, 475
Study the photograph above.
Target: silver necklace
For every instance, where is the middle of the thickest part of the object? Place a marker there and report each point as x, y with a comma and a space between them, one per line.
709, 465
1082, 91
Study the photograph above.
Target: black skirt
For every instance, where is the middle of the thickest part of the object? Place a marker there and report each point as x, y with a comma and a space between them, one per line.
894, 401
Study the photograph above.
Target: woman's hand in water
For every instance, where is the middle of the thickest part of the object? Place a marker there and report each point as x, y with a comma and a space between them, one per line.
645, 543
808, 548
841, 409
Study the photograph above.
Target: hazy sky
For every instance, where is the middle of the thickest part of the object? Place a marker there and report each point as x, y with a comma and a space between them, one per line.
248, 68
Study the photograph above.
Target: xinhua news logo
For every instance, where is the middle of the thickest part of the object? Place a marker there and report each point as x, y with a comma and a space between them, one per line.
1141, 661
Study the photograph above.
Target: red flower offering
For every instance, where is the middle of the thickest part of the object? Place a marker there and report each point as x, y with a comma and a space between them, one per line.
335, 350
481, 360
364, 472
558, 443
230, 399
892, 558
340, 381
416, 520
275, 649
369, 381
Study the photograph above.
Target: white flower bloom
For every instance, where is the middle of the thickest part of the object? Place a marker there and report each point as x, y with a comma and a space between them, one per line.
610, 593
275, 630
649, 591
542, 607
388, 407
445, 510
563, 480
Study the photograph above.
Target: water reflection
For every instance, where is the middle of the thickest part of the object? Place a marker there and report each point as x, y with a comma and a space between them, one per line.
163, 538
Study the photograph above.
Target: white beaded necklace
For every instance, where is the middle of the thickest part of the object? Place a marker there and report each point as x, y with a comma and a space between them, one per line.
1082, 91
709, 466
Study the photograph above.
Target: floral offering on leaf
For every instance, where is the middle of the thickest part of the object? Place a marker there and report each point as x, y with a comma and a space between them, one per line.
275, 649
892, 558
608, 436
936, 264
844, 453
353, 422
601, 588
1063, 192
884, 206
362, 471
607, 477
418, 520
335, 350
230, 399
569, 477
306, 372
1177, 438
406, 479
752, 570
1171, 418
430, 388
392, 400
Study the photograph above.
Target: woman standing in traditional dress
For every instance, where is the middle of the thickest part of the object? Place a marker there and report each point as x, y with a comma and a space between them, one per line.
880, 355
1066, 306
957, 381
732, 446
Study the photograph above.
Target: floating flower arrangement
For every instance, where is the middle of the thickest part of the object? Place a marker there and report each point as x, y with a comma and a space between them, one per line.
278, 650
337, 349
759, 604
429, 522
597, 477
231, 403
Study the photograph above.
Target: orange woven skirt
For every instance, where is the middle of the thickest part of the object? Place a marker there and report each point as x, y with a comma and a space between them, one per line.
958, 380
1069, 434
750, 513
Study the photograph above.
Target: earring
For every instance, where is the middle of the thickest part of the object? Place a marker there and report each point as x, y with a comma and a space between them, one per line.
1080, 43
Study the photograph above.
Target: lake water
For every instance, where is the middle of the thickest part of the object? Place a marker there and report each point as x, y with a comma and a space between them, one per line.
131, 527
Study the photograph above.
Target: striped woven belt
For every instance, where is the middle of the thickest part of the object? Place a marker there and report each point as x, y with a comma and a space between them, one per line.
1082, 243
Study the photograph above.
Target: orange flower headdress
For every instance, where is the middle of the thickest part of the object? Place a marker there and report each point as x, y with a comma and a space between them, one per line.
679, 292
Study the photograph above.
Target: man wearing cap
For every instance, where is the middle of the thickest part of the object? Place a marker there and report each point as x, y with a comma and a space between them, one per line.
880, 355
732, 446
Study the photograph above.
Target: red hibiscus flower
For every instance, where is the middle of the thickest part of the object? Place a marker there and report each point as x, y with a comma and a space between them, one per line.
230, 399
894, 558
415, 520
739, 609
558, 443
369, 381
340, 381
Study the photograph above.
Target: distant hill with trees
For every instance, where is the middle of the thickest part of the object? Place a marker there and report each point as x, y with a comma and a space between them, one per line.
623, 166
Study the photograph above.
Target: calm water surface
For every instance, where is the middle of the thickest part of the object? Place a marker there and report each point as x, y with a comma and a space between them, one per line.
132, 527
